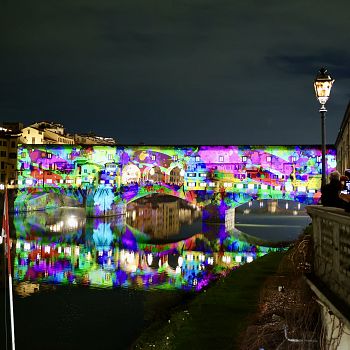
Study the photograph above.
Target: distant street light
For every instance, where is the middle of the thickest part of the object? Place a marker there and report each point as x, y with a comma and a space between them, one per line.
323, 85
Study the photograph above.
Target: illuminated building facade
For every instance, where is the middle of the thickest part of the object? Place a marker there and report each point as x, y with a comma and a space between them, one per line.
204, 174
45, 132
343, 143
8, 157
156, 219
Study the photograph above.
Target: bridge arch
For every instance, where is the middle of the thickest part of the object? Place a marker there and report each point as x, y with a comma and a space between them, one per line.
176, 175
136, 192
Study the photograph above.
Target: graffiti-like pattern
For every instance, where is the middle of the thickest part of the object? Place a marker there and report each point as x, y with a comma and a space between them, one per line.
109, 258
199, 174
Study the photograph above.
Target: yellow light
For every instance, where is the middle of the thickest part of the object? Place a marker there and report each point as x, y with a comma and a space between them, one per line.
323, 85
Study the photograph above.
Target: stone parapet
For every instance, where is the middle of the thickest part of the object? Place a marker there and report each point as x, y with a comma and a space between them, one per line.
331, 246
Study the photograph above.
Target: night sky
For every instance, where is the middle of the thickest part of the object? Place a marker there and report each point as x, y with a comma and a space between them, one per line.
176, 72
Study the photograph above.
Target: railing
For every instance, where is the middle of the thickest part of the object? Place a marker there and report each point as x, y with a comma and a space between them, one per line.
331, 245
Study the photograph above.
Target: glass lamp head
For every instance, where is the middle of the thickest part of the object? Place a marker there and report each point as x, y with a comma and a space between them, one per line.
323, 85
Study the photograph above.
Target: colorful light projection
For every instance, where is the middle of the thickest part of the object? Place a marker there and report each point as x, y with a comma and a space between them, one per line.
199, 174
109, 264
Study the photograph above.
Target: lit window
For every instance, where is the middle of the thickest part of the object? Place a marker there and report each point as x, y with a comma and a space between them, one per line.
288, 187
318, 159
294, 158
203, 175
191, 184
268, 158
227, 184
202, 184
264, 187
110, 156
191, 174
239, 186
69, 181
48, 181
198, 158
221, 159
244, 159
175, 158
153, 157
212, 184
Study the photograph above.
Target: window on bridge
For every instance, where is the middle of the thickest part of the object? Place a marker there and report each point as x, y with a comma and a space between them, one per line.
176, 177
131, 173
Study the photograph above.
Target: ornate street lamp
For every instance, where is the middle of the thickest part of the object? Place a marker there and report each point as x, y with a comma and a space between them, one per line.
323, 85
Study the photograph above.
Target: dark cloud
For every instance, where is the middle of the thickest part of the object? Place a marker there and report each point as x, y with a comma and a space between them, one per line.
337, 62
168, 71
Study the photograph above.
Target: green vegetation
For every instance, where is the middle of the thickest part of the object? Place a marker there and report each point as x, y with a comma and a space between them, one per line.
215, 318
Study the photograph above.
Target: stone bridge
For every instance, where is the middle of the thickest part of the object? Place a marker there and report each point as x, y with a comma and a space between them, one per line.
104, 179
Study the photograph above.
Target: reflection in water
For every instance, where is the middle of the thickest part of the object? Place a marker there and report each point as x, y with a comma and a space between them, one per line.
272, 220
157, 251
111, 261
160, 219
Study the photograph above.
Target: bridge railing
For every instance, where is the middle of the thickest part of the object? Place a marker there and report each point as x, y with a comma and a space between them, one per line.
331, 247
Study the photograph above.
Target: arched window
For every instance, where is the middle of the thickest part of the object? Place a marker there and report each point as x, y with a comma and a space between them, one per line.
155, 174
176, 176
131, 173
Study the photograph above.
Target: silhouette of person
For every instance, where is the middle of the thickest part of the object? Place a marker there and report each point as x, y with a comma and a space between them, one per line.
331, 196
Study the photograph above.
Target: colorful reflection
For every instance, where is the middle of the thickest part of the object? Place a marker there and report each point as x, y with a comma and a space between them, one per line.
101, 177
109, 257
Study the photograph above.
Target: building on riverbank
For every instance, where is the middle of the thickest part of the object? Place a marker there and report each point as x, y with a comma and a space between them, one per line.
342, 143
8, 156
13, 134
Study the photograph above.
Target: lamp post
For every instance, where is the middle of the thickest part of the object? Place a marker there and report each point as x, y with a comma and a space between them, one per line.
323, 85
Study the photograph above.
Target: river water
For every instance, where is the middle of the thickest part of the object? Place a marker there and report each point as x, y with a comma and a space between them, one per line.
96, 283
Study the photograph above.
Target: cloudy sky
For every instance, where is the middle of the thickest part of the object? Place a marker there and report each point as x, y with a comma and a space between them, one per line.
176, 71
